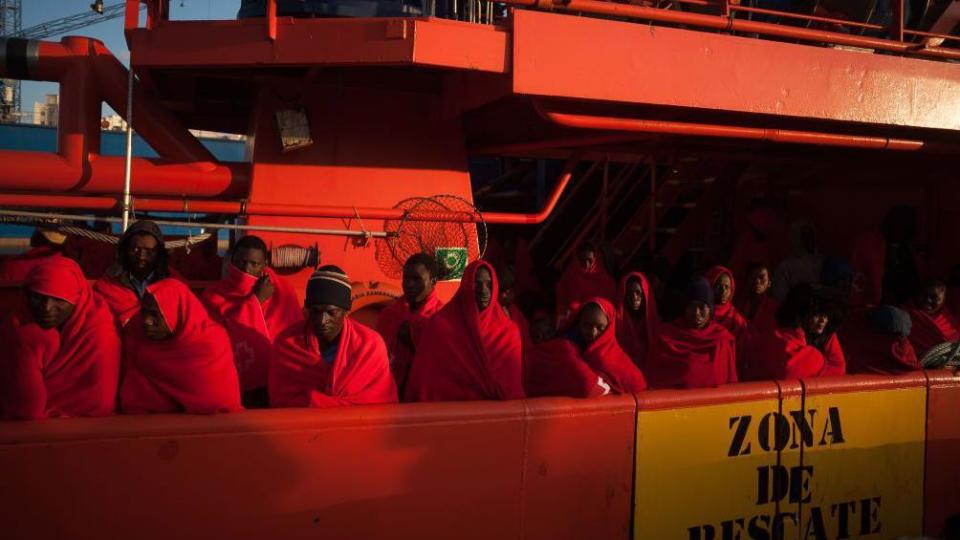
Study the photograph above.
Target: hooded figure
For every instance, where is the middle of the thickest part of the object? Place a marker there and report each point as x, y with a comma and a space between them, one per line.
879, 342
786, 351
141, 261
587, 362
761, 241
724, 311
584, 278
693, 351
175, 357
63, 348
885, 262
254, 305
637, 319
329, 360
470, 349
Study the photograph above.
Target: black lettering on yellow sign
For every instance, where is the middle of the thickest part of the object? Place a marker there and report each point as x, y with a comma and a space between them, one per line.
776, 432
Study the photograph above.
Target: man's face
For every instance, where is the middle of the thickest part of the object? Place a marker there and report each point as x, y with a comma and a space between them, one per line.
931, 299
587, 259
816, 324
154, 325
542, 329
634, 295
325, 320
142, 253
47, 311
250, 260
483, 282
759, 280
417, 283
593, 321
723, 289
697, 315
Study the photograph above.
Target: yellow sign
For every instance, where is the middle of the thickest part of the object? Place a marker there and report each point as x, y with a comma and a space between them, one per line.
829, 467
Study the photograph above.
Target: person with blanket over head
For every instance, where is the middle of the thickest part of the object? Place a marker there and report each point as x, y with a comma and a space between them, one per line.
402, 322
471, 349
141, 261
694, 351
254, 305
175, 357
586, 361
585, 278
329, 360
61, 348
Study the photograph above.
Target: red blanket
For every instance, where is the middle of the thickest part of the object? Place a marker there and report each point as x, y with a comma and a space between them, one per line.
389, 323
868, 260
72, 371
869, 351
16, 268
784, 354
556, 368
635, 336
766, 249
930, 330
466, 353
358, 375
252, 326
577, 285
120, 298
726, 314
192, 372
692, 358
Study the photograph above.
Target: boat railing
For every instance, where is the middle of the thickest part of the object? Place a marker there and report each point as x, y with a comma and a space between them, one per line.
897, 27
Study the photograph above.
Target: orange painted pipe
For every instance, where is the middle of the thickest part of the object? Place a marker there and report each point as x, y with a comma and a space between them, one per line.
730, 24
606, 123
186, 205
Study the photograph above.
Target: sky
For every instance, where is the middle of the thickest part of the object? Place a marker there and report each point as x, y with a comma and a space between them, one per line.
110, 32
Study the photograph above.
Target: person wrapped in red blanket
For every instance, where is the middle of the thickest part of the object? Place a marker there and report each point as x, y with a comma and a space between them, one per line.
932, 321
329, 360
878, 342
254, 305
788, 350
62, 349
636, 319
725, 312
585, 277
693, 351
175, 357
471, 349
402, 322
141, 260
586, 361
45, 244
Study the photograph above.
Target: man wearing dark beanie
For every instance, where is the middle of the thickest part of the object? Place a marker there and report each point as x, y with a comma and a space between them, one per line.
329, 360
693, 351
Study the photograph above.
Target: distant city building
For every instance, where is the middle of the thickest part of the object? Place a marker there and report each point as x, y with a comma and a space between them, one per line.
46, 114
113, 123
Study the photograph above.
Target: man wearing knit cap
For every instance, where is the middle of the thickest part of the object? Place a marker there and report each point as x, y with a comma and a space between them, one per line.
693, 351
329, 360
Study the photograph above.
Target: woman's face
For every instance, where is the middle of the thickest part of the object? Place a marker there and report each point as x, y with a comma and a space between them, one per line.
593, 322
723, 289
931, 299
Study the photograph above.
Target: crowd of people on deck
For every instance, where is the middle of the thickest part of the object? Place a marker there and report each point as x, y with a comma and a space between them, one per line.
140, 341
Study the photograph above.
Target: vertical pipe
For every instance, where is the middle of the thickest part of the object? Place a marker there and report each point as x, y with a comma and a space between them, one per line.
652, 237
272, 19
896, 29
128, 164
